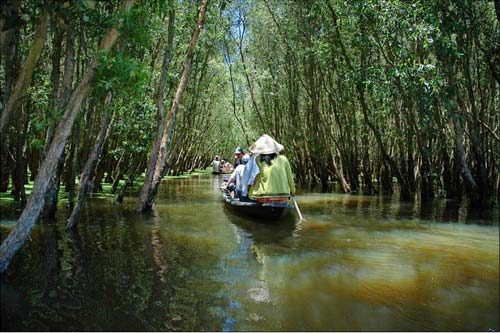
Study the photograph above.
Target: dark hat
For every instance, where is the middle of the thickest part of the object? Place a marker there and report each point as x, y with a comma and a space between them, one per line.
238, 150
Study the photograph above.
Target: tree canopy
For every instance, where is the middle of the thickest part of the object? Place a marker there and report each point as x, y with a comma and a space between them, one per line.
376, 96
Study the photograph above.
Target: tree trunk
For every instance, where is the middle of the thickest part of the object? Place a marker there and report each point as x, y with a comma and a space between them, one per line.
149, 189
54, 78
160, 104
18, 174
9, 33
24, 79
62, 101
90, 165
368, 188
73, 166
10, 37
469, 182
46, 176
338, 169
405, 190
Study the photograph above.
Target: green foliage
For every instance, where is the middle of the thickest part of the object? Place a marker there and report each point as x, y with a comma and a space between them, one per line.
136, 28
121, 74
371, 85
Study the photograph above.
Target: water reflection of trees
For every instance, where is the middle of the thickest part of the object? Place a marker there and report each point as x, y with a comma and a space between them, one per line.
382, 208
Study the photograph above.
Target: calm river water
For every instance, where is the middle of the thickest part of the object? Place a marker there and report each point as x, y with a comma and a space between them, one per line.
357, 263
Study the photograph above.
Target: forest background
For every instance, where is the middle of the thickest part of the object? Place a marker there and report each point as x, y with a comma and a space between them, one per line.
376, 96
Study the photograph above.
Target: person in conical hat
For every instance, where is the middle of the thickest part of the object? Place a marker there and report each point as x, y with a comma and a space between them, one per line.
265, 145
274, 183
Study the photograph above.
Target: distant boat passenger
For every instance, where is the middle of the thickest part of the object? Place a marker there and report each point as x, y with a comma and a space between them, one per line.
216, 165
226, 166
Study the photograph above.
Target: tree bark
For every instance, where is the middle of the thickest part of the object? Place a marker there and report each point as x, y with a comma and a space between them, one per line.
54, 78
470, 183
24, 79
150, 188
160, 104
90, 164
62, 101
19, 170
9, 34
9, 39
46, 176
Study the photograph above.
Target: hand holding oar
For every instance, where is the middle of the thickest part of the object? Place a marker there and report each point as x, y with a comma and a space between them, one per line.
297, 208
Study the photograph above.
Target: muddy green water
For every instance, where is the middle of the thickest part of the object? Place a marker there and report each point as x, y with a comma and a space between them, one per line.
358, 263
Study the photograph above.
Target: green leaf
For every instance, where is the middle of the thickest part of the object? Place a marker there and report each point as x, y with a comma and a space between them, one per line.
89, 3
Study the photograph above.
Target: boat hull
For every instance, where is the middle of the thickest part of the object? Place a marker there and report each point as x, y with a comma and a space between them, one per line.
267, 212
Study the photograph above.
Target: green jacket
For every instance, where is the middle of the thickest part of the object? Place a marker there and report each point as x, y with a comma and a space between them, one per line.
274, 180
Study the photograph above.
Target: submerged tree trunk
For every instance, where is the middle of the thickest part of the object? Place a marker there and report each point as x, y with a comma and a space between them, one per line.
18, 172
160, 104
149, 189
90, 165
467, 177
62, 101
71, 165
46, 176
339, 172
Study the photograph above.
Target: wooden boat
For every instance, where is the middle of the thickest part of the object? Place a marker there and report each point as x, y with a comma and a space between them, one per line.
265, 211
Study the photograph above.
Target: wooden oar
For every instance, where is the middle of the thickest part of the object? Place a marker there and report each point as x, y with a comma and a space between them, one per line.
298, 209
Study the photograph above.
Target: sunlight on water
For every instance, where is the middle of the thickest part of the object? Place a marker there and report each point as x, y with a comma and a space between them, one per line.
356, 263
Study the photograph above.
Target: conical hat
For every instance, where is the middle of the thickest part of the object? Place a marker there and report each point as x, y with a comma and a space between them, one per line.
265, 145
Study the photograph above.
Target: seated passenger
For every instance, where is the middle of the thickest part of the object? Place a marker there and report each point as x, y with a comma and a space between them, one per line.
274, 182
226, 167
238, 154
235, 181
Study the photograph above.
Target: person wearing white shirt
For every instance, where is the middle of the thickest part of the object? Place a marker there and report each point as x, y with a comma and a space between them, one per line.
216, 165
237, 176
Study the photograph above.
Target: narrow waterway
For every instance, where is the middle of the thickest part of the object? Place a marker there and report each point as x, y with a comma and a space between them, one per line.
357, 263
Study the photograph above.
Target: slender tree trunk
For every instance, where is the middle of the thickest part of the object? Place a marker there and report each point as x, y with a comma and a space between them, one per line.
160, 104
130, 180
9, 41
73, 165
18, 175
405, 191
9, 20
468, 178
247, 77
54, 78
90, 164
46, 176
233, 101
149, 190
9, 33
339, 172
62, 101
24, 79
368, 188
